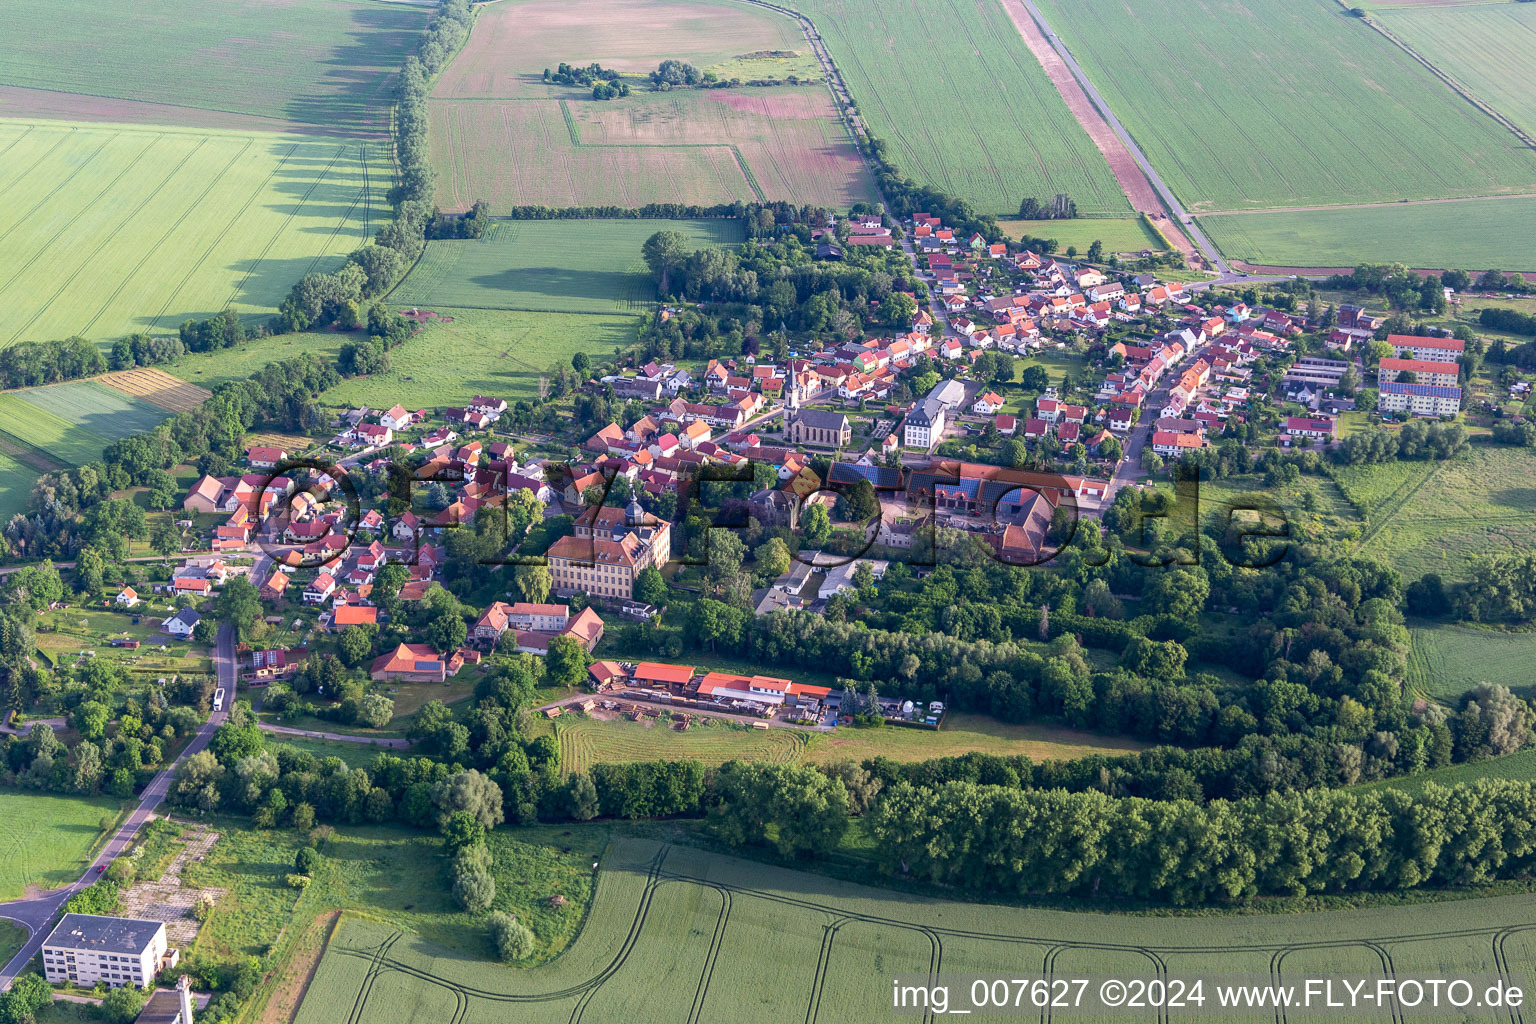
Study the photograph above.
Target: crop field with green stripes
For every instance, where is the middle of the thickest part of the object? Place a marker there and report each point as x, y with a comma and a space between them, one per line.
319, 62
678, 934
1242, 104
63, 425
962, 104
562, 266
109, 229
585, 742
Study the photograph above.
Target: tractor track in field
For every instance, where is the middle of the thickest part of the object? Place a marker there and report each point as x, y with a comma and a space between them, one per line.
835, 920
169, 230
108, 239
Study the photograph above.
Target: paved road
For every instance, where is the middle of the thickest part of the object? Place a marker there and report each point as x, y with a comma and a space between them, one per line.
340, 737
36, 914
1213, 257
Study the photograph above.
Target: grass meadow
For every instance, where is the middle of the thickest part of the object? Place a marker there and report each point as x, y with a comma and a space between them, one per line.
320, 62
1478, 233
1436, 517
1118, 234
500, 133
587, 741
675, 932
1247, 105
207, 369
962, 104
1447, 660
1489, 48
115, 228
484, 352
395, 874
47, 840
574, 266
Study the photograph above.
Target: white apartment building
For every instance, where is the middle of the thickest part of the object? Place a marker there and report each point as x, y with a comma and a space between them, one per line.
85, 949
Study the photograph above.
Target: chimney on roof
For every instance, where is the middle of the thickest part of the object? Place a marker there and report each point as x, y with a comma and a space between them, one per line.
184, 989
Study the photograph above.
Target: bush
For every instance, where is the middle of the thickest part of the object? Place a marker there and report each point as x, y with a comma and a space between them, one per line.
203, 909
474, 889
297, 881
513, 939
307, 860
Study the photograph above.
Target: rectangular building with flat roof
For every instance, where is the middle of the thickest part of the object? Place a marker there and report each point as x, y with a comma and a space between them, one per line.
85, 949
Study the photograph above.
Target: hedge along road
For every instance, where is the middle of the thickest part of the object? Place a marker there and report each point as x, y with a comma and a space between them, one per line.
1191, 229
37, 914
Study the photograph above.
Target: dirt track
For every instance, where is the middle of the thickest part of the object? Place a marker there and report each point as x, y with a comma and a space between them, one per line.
1134, 183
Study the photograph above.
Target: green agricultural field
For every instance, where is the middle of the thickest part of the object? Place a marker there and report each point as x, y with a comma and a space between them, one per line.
1242, 104
48, 840
1490, 49
586, 741
1477, 233
962, 104
95, 407
1520, 766
321, 62
677, 933
16, 480
1436, 517
1118, 234
567, 266
500, 133
55, 436
112, 228
1448, 660
484, 352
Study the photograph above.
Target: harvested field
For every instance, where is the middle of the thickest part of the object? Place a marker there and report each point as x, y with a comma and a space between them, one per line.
117, 228
576, 266
677, 933
329, 63
1246, 105
962, 104
502, 134
157, 387
627, 35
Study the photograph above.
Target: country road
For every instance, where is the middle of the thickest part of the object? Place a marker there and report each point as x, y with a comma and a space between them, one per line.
36, 914
1212, 255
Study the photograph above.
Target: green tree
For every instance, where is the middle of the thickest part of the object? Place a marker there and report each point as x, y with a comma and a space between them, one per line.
166, 539
581, 797
90, 719
447, 631
650, 586
354, 645
566, 662
462, 830
239, 605
772, 558
533, 582
123, 1004
375, 710
664, 252
469, 791
815, 526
